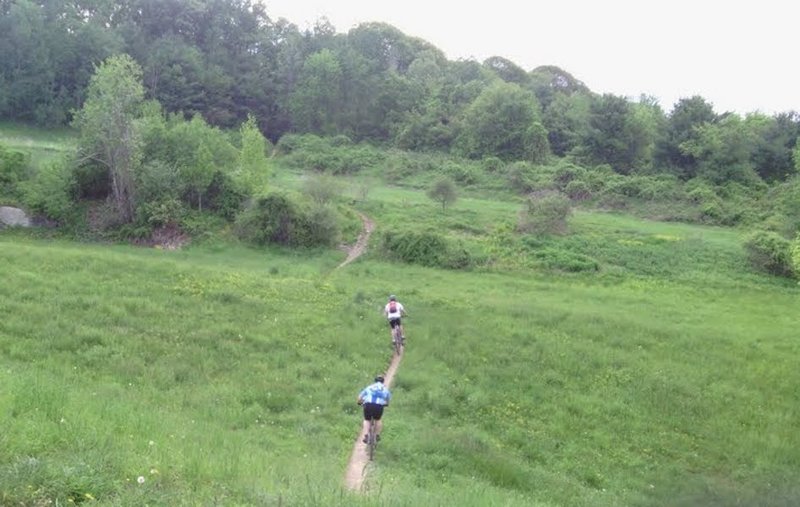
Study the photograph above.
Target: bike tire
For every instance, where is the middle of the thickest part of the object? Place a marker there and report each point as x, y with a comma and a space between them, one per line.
371, 440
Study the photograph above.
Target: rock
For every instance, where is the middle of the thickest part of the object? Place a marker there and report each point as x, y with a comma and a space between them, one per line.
14, 217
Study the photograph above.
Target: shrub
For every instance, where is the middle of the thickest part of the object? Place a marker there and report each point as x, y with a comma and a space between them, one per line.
13, 169
424, 248
278, 219
159, 213
564, 260
770, 253
795, 253
273, 218
322, 188
578, 190
492, 165
463, 172
49, 191
443, 191
226, 195
545, 212
92, 181
323, 226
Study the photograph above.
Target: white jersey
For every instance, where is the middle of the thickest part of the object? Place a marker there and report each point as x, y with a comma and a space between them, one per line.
398, 310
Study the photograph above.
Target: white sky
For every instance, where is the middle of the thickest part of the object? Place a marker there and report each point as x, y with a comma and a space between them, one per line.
741, 55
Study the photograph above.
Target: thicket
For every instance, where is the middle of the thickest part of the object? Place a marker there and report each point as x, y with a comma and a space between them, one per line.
426, 248
770, 253
277, 218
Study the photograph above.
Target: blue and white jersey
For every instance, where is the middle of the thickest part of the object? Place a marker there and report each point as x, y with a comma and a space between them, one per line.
376, 393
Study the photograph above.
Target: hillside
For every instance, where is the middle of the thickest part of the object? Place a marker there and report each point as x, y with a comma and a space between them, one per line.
226, 375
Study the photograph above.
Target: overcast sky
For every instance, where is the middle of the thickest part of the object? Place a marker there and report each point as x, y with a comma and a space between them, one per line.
741, 56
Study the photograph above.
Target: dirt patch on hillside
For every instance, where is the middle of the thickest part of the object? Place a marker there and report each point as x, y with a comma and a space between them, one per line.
357, 250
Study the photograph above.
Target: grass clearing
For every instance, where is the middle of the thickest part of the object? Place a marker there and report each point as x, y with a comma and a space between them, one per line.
228, 375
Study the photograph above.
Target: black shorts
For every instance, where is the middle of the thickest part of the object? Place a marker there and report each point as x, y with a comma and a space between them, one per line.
393, 323
373, 411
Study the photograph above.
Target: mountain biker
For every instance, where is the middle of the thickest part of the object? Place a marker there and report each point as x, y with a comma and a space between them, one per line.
374, 398
393, 311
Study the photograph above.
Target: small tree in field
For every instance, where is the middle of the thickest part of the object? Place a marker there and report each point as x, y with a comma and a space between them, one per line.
443, 191
546, 212
107, 123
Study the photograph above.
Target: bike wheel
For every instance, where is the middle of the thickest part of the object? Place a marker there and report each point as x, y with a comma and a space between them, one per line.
371, 440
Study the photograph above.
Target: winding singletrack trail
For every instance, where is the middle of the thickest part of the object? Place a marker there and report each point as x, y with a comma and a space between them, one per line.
357, 467
360, 247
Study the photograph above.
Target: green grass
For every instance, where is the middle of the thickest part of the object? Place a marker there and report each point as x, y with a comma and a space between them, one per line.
42, 145
227, 375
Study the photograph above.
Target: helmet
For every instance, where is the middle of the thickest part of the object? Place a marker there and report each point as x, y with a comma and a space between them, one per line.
379, 378
392, 298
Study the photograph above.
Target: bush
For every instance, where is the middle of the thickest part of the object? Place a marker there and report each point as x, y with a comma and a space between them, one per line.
770, 253
424, 248
278, 219
578, 190
463, 172
546, 212
49, 191
226, 195
13, 169
323, 226
564, 260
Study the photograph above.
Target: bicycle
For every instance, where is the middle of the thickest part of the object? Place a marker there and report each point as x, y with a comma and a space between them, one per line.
372, 440
398, 341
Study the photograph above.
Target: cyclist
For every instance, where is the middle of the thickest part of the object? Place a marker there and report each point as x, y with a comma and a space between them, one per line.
374, 398
393, 310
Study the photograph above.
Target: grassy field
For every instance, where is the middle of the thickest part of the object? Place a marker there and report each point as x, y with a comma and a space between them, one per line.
227, 376
42, 145
223, 375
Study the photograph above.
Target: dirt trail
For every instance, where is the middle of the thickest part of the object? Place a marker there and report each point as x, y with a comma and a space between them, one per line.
360, 247
357, 467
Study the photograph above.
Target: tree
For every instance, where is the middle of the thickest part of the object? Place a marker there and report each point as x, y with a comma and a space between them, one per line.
615, 135
687, 114
316, 101
253, 164
504, 122
443, 191
723, 150
107, 124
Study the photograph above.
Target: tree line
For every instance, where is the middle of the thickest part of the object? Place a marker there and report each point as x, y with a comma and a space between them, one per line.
226, 60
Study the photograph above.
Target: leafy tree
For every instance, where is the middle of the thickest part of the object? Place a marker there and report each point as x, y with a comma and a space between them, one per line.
443, 191
107, 124
566, 120
549, 82
506, 70
504, 122
317, 99
796, 255
687, 114
722, 150
615, 136
777, 136
253, 163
